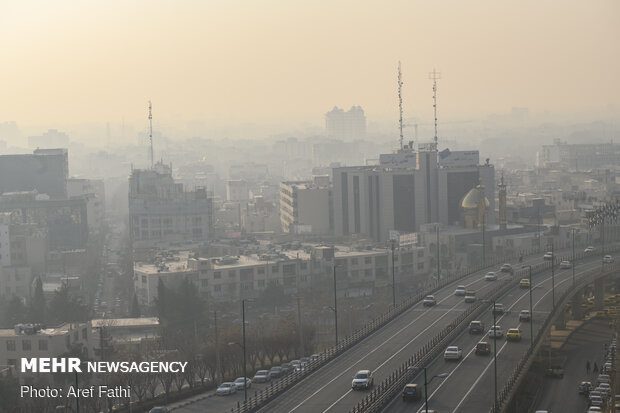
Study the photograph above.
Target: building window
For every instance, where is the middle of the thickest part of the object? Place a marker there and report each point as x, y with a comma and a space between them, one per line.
303, 265
274, 268
144, 279
10, 345
217, 275
420, 266
232, 273
204, 282
217, 288
84, 334
26, 345
260, 283
354, 261
367, 273
43, 345
355, 273
421, 253
367, 260
261, 271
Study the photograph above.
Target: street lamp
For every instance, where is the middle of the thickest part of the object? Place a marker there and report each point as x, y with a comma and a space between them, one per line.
553, 272
573, 260
392, 242
438, 254
529, 267
335, 308
427, 382
243, 347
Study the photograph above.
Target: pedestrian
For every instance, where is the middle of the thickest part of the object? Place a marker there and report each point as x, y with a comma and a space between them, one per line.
595, 370
588, 367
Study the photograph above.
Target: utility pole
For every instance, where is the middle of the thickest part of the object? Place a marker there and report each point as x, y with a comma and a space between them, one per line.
245, 364
484, 252
494, 359
529, 267
301, 327
335, 307
438, 254
574, 262
393, 275
553, 272
218, 363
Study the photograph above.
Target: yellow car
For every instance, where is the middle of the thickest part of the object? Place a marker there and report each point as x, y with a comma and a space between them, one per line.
513, 334
524, 283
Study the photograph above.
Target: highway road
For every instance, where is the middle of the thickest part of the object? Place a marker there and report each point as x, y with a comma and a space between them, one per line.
469, 386
329, 389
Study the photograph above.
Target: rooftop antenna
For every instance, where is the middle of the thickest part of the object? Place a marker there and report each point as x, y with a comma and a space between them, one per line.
151, 133
435, 76
400, 106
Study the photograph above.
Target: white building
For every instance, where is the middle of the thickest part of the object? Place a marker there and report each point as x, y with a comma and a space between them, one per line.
346, 125
171, 271
305, 206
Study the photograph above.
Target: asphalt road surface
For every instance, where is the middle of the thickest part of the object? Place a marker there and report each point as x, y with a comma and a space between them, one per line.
469, 386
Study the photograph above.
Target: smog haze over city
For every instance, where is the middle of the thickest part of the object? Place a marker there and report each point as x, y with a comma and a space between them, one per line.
300, 206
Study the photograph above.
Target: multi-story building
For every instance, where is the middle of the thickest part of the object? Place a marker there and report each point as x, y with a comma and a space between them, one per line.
44, 171
401, 193
93, 191
346, 125
123, 335
237, 190
230, 278
162, 211
581, 156
306, 206
28, 341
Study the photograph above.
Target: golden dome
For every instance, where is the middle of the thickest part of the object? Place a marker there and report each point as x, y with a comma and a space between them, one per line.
474, 197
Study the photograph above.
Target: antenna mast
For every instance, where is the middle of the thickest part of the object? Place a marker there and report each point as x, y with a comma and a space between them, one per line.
151, 134
435, 76
400, 106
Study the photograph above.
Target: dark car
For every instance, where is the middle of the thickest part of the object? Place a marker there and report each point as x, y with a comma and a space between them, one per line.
476, 327
276, 372
483, 348
506, 268
411, 392
585, 387
287, 368
555, 371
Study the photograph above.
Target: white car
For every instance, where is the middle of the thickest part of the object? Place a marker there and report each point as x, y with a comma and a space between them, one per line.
490, 276
603, 378
548, 256
496, 332
608, 259
362, 380
239, 383
453, 353
589, 249
565, 264
262, 376
429, 301
524, 315
226, 389
460, 290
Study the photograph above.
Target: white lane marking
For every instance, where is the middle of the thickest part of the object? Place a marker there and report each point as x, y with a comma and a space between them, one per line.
385, 342
473, 386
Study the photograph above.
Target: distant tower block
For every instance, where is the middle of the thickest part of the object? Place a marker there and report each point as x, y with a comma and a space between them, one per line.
503, 222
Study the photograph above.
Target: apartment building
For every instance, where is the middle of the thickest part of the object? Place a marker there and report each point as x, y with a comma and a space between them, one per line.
306, 206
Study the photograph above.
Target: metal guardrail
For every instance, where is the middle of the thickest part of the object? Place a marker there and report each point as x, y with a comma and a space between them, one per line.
507, 392
383, 394
266, 395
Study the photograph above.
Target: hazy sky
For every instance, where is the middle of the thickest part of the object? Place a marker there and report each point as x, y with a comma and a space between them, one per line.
70, 61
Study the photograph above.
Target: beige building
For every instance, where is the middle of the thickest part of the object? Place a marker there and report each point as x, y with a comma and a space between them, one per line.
306, 206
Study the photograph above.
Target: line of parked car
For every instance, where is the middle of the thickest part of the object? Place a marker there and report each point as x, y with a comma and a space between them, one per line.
600, 396
265, 376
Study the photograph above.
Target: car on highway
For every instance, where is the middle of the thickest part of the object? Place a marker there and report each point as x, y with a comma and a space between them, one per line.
470, 296
276, 372
239, 383
226, 389
159, 409
498, 309
496, 332
411, 392
565, 264
513, 334
476, 327
460, 290
525, 315
584, 387
506, 268
608, 259
262, 376
287, 368
548, 256
594, 409
589, 249
363, 379
453, 353
597, 401
555, 372
490, 276
604, 388
429, 301
602, 378
483, 348
524, 283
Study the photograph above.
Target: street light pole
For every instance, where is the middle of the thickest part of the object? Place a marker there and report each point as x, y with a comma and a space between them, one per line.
494, 359
529, 267
426, 383
553, 272
438, 255
335, 307
574, 262
245, 364
393, 276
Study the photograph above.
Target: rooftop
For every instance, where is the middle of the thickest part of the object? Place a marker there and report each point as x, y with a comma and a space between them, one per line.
125, 322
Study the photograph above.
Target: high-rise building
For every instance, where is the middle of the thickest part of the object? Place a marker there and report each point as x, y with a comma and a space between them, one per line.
162, 211
582, 156
305, 206
346, 125
45, 171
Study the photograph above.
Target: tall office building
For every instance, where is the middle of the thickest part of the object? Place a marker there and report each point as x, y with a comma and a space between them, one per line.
346, 125
162, 211
404, 192
45, 171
